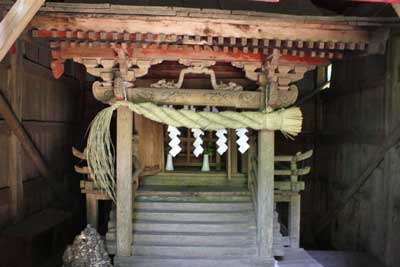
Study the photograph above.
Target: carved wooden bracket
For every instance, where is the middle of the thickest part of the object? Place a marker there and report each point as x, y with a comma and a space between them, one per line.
197, 67
283, 74
252, 69
128, 69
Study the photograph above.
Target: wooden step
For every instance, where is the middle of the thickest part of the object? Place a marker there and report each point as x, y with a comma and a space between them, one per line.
194, 179
185, 227
190, 217
194, 206
192, 239
191, 252
245, 216
140, 261
193, 193
190, 227
194, 198
189, 190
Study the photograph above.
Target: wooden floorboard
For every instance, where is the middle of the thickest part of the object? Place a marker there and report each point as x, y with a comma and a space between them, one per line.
345, 259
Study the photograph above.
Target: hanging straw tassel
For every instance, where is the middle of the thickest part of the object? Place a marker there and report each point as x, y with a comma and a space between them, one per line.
100, 149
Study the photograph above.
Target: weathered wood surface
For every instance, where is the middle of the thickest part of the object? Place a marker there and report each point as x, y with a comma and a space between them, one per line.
183, 22
293, 258
151, 145
14, 110
23, 137
195, 97
49, 123
92, 210
195, 179
294, 220
396, 7
345, 259
124, 181
265, 193
13, 24
214, 223
389, 142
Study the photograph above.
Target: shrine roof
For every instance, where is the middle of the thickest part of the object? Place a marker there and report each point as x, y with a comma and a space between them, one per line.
93, 30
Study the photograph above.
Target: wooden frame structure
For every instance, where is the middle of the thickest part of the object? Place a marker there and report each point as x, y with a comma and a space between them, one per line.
119, 44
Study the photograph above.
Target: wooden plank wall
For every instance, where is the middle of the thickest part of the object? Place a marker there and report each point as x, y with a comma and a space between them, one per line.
49, 112
359, 110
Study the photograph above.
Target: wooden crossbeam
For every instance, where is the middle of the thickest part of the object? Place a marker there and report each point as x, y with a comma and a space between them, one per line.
389, 142
195, 97
15, 22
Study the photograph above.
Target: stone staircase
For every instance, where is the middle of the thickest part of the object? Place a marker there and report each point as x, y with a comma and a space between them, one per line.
185, 222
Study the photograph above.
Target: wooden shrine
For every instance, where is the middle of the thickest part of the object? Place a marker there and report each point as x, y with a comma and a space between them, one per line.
221, 217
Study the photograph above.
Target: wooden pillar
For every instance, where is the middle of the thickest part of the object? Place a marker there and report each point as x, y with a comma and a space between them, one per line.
124, 181
265, 196
229, 157
92, 210
294, 220
232, 156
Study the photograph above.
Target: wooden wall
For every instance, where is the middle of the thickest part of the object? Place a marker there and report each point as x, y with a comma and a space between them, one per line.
302, 143
359, 111
49, 110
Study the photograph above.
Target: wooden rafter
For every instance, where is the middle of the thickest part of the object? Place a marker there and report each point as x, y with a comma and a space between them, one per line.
15, 22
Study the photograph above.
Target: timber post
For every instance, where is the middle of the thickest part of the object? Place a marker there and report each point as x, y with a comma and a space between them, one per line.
124, 181
265, 196
294, 220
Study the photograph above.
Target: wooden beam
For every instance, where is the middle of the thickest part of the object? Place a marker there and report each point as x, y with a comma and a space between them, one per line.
23, 137
265, 196
15, 169
236, 26
155, 51
391, 140
124, 181
195, 97
396, 7
15, 22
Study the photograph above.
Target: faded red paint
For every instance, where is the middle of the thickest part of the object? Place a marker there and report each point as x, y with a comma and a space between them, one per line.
308, 60
57, 67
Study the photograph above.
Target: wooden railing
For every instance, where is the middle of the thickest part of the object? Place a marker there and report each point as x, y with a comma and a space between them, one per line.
293, 185
286, 190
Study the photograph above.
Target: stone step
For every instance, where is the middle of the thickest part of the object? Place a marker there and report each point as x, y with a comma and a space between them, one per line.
194, 206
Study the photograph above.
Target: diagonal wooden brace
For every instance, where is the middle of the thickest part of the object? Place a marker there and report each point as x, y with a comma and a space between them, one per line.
26, 142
